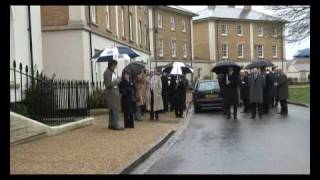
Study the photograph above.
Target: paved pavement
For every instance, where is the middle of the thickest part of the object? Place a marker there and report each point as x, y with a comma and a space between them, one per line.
212, 144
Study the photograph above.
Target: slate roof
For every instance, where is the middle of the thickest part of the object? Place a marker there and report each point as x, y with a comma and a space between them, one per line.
303, 53
234, 13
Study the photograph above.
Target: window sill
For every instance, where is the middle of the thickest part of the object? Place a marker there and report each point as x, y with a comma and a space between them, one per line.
94, 24
172, 29
274, 57
225, 57
224, 34
108, 30
240, 57
260, 35
124, 38
240, 35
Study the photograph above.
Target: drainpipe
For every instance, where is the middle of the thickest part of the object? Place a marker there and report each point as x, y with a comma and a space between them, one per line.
30, 40
154, 38
90, 43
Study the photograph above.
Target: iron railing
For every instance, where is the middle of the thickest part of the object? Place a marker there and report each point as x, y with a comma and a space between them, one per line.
47, 100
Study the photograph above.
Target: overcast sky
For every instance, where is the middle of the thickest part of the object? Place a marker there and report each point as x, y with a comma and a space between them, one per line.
291, 49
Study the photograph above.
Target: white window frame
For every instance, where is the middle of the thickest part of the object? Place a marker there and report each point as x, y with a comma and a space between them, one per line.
276, 51
140, 31
242, 49
240, 25
161, 47
274, 32
172, 23
173, 48
160, 20
130, 27
260, 31
262, 51
184, 28
122, 22
226, 30
184, 49
226, 50
107, 16
93, 10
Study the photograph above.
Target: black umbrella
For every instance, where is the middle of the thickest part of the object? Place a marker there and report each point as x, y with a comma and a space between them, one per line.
222, 67
135, 67
259, 64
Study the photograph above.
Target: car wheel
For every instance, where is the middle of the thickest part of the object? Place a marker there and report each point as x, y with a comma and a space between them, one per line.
196, 109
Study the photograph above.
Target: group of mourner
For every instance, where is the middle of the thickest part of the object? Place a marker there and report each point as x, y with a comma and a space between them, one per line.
258, 89
140, 91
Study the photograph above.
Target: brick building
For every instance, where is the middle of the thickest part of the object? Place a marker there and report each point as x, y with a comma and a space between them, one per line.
238, 34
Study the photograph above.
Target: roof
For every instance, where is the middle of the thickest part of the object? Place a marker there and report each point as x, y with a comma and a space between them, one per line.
303, 53
180, 9
234, 13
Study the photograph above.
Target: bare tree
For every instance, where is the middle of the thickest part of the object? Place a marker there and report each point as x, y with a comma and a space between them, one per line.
298, 27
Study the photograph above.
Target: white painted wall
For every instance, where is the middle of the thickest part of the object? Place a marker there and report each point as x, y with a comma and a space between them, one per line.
20, 42
63, 54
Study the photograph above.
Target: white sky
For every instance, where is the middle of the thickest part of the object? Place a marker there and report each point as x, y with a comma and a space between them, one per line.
291, 49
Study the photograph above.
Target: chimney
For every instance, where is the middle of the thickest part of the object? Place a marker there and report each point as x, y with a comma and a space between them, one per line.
231, 6
248, 8
211, 7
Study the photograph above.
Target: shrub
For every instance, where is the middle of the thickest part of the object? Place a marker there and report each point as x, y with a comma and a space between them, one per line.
97, 99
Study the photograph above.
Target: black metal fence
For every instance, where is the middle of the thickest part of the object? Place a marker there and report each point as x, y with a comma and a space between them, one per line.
97, 98
45, 99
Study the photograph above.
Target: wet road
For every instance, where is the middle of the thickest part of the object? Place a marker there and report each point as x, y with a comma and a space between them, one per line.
212, 144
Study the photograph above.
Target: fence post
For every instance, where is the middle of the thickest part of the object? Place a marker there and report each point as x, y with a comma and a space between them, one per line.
77, 88
27, 78
20, 68
14, 82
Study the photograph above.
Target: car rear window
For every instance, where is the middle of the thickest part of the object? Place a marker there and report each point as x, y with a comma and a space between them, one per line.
207, 86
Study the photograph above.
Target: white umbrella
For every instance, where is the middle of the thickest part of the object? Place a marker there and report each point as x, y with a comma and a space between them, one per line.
116, 53
178, 68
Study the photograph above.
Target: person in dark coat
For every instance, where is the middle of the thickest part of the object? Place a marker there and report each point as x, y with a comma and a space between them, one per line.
222, 89
128, 99
276, 92
186, 84
283, 92
266, 91
170, 92
231, 94
164, 93
256, 84
244, 91
178, 95
273, 88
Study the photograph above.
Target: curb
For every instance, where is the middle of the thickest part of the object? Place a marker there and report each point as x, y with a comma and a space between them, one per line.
299, 104
133, 164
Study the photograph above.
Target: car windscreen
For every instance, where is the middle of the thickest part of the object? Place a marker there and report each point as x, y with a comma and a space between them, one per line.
208, 86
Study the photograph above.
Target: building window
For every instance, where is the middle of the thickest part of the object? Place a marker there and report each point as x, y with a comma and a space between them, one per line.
140, 32
130, 27
274, 32
260, 51
122, 22
161, 47
239, 30
274, 51
184, 50
224, 51
260, 31
173, 48
224, 29
107, 14
172, 24
184, 29
93, 14
240, 50
159, 21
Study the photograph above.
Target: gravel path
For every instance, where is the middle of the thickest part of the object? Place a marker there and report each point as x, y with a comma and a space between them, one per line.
90, 150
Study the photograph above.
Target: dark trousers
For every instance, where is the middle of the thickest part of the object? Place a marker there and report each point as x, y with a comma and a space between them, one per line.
254, 107
152, 112
284, 106
277, 100
246, 105
128, 120
178, 112
165, 102
272, 101
265, 107
228, 110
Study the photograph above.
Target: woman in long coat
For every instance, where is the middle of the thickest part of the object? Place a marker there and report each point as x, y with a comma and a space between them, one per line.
178, 90
139, 81
231, 92
256, 84
154, 101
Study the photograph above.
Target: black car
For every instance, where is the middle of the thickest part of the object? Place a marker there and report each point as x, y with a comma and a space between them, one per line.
206, 94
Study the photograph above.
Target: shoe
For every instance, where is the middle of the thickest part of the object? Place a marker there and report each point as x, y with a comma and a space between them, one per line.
235, 118
118, 128
228, 117
252, 117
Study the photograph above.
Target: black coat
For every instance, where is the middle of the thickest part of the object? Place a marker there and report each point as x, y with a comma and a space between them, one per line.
231, 95
128, 92
267, 90
244, 88
178, 93
282, 90
165, 87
